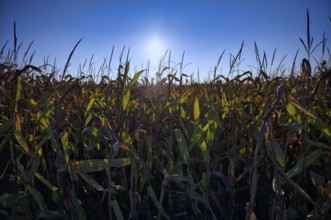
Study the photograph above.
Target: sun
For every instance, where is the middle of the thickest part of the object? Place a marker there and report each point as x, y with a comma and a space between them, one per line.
154, 50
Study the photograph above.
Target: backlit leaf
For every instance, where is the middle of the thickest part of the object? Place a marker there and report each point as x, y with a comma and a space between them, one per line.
126, 98
292, 111
196, 109
126, 137
127, 92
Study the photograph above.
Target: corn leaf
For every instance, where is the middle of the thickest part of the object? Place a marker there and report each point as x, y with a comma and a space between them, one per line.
274, 150
95, 165
126, 98
6, 126
117, 210
127, 92
182, 145
213, 117
90, 104
3, 143
196, 109
37, 197
292, 111
203, 185
179, 178
91, 181
20, 203
65, 146
322, 126
18, 93
21, 141
126, 137
304, 162
45, 182
152, 195
80, 210
318, 123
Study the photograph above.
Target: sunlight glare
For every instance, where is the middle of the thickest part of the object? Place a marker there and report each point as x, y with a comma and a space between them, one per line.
155, 49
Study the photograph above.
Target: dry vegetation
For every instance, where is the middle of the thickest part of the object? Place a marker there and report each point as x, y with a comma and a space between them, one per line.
73, 148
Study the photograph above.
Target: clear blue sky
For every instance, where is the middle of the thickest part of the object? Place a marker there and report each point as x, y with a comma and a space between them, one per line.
203, 29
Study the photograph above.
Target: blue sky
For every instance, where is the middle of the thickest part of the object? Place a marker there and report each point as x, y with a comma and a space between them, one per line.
203, 29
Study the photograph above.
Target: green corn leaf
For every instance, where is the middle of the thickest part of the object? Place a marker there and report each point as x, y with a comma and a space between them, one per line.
195, 196
179, 179
21, 141
4, 171
182, 145
18, 93
152, 195
135, 78
37, 197
65, 146
304, 162
214, 118
22, 173
95, 165
20, 203
127, 92
88, 119
45, 181
80, 210
318, 123
203, 185
205, 151
90, 104
117, 210
91, 181
322, 126
197, 137
92, 131
4, 142
274, 150
126, 98
292, 111
4, 127
302, 109
126, 137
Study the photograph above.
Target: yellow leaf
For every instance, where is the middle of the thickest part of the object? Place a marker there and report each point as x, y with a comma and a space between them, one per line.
18, 123
196, 109
20, 139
